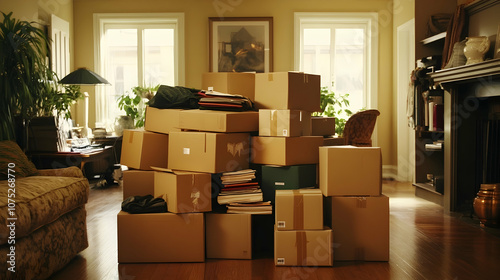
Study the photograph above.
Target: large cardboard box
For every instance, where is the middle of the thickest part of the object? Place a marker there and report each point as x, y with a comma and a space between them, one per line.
208, 152
162, 120
322, 126
361, 227
219, 121
286, 178
286, 150
299, 209
234, 83
287, 123
229, 236
303, 247
143, 149
287, 90
138, 183
184, 192
160, 237
349, 170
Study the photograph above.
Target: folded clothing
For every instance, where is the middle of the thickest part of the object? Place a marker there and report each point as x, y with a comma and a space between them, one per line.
144, 204
226, 102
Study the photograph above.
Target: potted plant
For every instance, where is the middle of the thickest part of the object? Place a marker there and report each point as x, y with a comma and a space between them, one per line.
135, 105
335, 105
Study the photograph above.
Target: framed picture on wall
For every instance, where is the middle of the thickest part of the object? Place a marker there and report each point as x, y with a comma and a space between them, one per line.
241, 44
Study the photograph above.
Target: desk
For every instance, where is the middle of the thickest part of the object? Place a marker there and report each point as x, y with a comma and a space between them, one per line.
101, 161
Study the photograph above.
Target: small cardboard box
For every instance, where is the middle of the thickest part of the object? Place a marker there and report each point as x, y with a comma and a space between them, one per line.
287, 123
361, 227
303, 247
208, 152
299, 209
162, 120
233, 83
184, 192
286, 178
143, 149
219, 121
333, 141
138, 183
229, 236
286, 150
322, 126
349, 170
160, 237
287, 90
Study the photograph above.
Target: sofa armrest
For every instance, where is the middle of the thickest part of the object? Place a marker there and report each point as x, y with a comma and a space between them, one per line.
71, 171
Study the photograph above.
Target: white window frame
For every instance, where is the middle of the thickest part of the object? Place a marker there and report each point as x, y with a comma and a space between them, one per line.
369, 21
103, 20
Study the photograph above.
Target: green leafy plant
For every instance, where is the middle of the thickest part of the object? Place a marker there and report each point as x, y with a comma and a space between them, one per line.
335, 105
134, 105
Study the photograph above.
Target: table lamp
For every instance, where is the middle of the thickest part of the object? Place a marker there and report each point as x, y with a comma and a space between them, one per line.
84, 76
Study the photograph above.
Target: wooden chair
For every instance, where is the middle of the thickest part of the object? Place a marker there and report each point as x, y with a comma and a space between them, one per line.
359, 128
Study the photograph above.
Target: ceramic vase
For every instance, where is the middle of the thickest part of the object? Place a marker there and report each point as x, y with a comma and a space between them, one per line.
487, 205
475, 48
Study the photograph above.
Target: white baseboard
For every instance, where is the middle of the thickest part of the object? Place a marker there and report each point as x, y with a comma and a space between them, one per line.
390, 172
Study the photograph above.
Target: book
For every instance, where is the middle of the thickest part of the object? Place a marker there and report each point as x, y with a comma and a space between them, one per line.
251, 208
245, 197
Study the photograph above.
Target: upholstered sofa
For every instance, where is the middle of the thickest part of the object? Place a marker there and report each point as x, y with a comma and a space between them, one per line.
47, 208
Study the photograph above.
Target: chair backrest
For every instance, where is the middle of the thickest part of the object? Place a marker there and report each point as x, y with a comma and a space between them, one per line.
359, 128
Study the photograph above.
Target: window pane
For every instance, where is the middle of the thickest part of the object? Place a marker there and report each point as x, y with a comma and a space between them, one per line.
159, 57
316, 54
349, 65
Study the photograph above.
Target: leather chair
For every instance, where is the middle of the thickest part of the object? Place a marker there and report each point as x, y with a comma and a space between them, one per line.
359, 128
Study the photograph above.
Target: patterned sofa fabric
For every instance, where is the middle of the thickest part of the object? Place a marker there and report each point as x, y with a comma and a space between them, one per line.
40, 200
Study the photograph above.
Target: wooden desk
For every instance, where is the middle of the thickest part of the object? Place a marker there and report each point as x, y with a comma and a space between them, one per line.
99, 158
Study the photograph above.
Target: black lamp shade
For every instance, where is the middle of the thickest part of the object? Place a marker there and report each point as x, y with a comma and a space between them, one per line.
83, 76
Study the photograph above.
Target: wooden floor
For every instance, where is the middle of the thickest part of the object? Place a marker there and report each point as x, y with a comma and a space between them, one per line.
425, 244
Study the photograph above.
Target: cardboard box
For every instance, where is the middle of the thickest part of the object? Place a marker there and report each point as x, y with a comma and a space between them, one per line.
333, 141
286, 178
160, 237
229, 236
299, 209
286, 150
208, 152
350, 170
184, 192
219, 121
288, 123
234, 83
287, 90
138, 183
361, 227
322, 126
303, 248
162, 120
143, 149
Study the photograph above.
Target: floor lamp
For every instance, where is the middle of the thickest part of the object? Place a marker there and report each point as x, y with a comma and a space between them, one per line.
84, 76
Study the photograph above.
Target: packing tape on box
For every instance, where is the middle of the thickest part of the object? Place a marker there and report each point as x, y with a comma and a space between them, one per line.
301, 245
131, 138
298, 210
361, 202
274, 122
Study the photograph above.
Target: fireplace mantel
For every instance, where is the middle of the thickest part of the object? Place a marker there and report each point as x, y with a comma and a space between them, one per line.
488, 69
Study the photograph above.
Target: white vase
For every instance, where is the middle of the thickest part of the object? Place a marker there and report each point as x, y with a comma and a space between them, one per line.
123, 122
475, 48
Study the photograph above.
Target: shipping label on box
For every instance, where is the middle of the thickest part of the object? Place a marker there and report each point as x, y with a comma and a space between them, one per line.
208, 152
361, 227
299, 209
219, 121
143, 149
138, 183
162, 120
287, 123
303, 247
286, 178
286, 150
229, 236
184, 192
160, 237
287, 90
322, 126
349, 170
233, 83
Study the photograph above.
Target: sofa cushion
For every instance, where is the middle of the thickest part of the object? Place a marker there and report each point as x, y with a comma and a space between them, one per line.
39, 200
12, 157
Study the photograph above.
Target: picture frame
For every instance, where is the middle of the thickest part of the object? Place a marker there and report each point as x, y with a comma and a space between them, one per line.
241, 44
497, 44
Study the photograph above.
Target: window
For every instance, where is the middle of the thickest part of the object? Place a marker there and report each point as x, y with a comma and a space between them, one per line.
135, 50
342, 48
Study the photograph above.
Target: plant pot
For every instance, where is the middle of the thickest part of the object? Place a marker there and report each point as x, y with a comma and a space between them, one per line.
122, 123
487, 205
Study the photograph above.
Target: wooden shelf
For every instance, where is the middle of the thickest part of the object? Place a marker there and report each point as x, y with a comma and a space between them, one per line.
434, 38
489, 68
